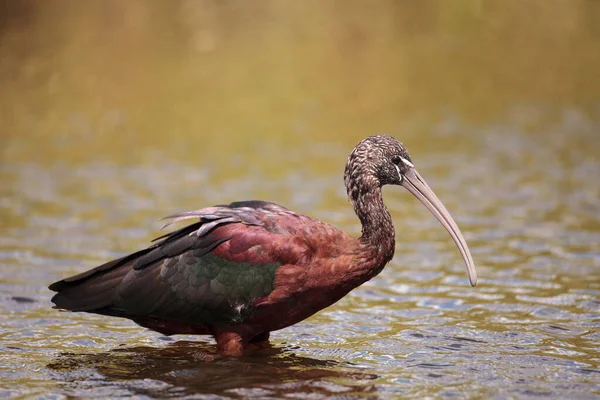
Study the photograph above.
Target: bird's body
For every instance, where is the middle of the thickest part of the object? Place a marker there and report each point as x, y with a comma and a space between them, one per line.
249, 268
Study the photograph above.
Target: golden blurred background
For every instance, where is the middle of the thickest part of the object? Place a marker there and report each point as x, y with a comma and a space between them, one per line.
115, 79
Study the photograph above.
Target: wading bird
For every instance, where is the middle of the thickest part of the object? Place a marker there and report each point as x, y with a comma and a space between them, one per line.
246, 269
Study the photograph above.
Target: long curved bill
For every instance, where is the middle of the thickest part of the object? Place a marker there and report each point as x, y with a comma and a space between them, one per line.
420, 189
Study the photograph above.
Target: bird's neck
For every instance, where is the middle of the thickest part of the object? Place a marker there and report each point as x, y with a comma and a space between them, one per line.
378, 235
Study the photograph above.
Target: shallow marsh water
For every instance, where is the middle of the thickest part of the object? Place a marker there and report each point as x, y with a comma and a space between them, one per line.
106, 131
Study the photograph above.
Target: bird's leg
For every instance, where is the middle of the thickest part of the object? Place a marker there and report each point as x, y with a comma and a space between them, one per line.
261, 337
230, 343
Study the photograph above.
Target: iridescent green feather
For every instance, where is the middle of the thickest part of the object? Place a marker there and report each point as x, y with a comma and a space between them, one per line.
214, 290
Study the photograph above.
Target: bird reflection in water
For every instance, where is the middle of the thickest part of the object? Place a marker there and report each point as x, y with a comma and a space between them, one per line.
185, 368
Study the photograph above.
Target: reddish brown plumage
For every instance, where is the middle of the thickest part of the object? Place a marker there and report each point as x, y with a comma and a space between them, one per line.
320, 265
249, 268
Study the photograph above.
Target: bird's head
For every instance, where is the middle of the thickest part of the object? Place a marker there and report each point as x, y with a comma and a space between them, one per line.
382, 160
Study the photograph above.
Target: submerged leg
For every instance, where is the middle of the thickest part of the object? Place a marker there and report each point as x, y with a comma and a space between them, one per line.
230, 343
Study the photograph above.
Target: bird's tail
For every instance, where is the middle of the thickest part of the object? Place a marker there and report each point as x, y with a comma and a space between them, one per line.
93, 290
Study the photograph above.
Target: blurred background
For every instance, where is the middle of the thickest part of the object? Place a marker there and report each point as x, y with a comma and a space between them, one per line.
114, 113
214, 77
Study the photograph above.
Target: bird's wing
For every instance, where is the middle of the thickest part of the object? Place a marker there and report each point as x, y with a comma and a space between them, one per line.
210, 272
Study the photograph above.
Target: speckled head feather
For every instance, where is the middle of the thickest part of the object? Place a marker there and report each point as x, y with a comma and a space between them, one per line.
376, 161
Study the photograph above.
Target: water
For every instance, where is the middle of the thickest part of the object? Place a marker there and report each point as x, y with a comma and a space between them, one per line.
95, 151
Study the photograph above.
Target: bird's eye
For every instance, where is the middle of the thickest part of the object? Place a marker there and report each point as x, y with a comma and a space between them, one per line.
396, 159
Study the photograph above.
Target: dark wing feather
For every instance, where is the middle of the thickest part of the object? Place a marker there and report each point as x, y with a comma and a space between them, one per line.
180, 277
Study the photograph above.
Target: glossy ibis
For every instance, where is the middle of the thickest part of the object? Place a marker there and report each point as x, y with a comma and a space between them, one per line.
246, 269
